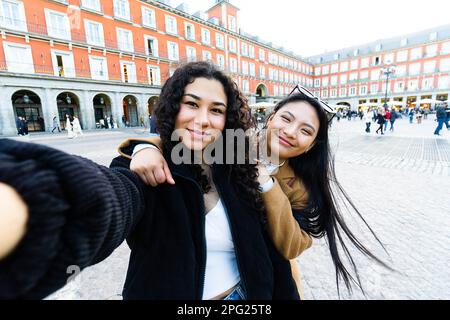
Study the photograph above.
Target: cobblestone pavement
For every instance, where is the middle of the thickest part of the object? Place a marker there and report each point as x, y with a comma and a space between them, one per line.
399, 181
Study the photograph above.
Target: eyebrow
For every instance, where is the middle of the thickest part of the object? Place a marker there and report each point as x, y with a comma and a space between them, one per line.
306, 124
216, 103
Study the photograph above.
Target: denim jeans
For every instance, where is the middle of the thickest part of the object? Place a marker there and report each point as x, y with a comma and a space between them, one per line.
237, 294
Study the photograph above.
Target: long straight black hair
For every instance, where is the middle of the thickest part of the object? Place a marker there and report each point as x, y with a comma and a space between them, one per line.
323, 216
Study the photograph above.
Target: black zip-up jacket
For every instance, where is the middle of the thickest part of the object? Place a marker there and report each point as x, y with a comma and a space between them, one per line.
80, 212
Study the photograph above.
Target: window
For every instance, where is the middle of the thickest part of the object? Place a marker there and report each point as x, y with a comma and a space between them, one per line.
233, 45
416, 53
364, 75
262, 54
191, 54
99, 67
262, 72
444, 82
444, 65
154, 76
335, 68
414, 69
12, 15
427, 83
388, 58
172, 49
431, 51
374, 88
220, 42
63, 64
399, 86
245, 86
334, 80
343, 79
57, 24
207, 56
353, 76
148, 18
232, 23
128, 70
251, 51
344, 66
375, 75
206, 36
151, 46
91, 4
244, 49
189, 31
122, 9
354, 65
429, 67
245, 68
445, 47
125, 39
221, 61
413, 85
18, 57
400, 70
252, 69
233, 65
362, 90
402, 56
94, 33
171, 25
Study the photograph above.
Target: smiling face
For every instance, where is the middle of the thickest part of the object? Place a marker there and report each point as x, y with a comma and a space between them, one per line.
292, 131
202, 114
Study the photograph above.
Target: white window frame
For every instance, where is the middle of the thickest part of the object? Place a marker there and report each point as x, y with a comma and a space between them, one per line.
167, 20
89, 39
157, 70
51, 29
220, 41
177, 51
13, 64
191, 54
155, 45
133, 77
186, 34
88, 4
69, 69
145, 17
94, 75
122, 15
125, 46
18, 23
206, 36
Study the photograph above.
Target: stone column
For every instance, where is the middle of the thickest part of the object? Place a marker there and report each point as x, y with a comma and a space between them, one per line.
7, 116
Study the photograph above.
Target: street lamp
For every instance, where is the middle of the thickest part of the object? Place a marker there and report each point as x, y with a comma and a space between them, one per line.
387, 70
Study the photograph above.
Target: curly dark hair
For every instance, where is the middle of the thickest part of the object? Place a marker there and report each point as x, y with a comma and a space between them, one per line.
242, 176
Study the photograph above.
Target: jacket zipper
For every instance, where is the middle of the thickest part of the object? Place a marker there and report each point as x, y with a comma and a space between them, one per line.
219, 190
201, 287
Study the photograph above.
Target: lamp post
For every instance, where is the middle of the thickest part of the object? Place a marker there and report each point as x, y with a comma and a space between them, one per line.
387, 70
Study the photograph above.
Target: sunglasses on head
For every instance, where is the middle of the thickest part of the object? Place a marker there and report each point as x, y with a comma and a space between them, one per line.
330, 112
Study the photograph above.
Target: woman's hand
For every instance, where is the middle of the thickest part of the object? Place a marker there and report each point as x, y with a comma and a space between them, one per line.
13, 219
150, 165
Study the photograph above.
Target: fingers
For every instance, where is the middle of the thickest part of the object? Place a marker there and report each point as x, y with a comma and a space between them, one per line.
168, 174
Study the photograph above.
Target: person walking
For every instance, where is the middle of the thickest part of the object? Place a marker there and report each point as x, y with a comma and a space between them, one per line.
441, 117
393, 118
55, 124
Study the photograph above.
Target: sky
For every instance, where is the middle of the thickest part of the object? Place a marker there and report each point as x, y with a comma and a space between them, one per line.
317, 26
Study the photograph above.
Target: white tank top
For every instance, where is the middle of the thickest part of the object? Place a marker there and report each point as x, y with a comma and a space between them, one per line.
221, 266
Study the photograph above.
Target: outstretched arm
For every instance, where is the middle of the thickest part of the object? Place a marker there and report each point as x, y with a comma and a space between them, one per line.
78, 213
